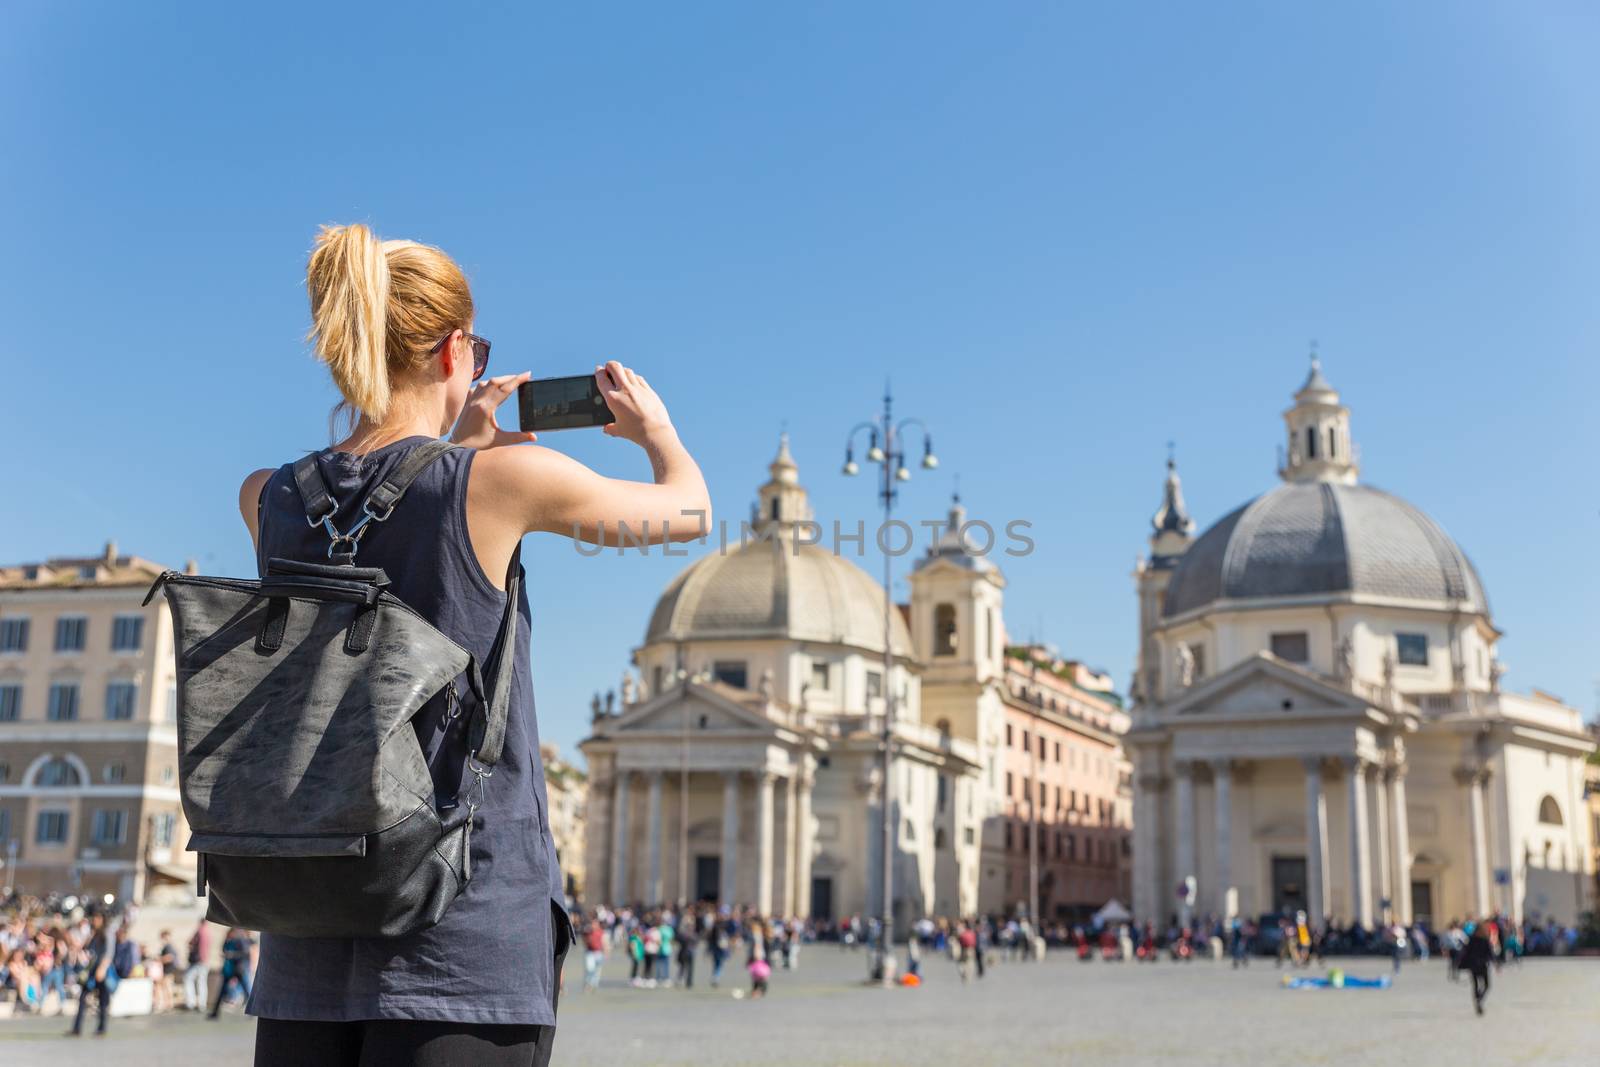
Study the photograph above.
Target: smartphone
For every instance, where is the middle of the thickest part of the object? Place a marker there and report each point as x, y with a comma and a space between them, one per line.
562, 404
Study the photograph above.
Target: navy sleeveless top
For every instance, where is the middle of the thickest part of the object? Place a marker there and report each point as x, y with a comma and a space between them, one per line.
491, 959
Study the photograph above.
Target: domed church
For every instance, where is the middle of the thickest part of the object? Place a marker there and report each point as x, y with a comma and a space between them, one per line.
742, 765
1319, 720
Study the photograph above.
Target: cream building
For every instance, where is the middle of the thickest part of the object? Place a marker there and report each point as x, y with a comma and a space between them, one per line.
743, 766
88, 735
567, 789
1319, 718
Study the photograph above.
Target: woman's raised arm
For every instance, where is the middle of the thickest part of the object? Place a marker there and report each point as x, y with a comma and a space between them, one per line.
537, 489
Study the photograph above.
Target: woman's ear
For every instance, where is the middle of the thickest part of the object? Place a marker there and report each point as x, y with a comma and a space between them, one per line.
447, 354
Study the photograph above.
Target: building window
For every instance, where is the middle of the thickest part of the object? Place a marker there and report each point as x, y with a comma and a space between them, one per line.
10, 703
991, 628
116, 773
655, 688
120, 698
1008, 735
944, 788
1412, 649
1008, 783
1042, 755
109, 828
967, 835
127, 633
13, 635
51, 829
1311, 442
168, 774
1009, 836
1292, 647
70, 632
731, 672
172, 702
1058, 751
938, 839
1027, 741
819, 674
58, 773
5, 772
5, 825
162, 829
1332, 443
1550, 811
944, 630
1199, 660
874, 685
1072, 800
63, 705
1058, 798
1072, 847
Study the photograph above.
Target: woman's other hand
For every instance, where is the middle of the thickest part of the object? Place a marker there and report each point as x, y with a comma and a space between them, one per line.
640, 414
477, 427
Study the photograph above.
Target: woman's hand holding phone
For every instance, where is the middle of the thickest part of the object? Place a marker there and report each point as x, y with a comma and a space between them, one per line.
477, 427
640, 415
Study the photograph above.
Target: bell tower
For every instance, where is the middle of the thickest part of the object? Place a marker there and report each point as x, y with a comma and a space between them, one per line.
1171, 533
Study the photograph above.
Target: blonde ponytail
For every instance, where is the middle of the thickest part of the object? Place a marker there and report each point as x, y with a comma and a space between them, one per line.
377, 307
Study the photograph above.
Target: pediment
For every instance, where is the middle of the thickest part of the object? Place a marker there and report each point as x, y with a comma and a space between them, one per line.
1265, 685
694, 709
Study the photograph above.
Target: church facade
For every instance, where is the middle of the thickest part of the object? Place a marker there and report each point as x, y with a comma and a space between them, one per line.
743, 764
1319, 720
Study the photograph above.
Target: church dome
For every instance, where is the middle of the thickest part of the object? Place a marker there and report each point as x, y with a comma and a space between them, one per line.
1306, 538
765, 590
772, 588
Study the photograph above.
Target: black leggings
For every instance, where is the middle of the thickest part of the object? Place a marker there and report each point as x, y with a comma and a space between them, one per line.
399, 1043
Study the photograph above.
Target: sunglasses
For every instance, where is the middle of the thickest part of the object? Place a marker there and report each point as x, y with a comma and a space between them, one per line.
480, 352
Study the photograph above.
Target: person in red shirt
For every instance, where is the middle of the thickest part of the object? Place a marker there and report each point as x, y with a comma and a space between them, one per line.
594, 954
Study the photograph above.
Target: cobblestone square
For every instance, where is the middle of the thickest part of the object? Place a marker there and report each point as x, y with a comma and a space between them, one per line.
1059, 1011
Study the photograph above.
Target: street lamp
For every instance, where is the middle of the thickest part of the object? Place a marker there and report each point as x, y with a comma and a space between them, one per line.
885, 449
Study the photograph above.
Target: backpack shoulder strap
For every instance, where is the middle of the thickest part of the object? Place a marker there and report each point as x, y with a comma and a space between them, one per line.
489, 730
380, 503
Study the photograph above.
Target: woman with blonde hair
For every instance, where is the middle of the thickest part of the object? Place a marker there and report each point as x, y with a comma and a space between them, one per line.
393, 322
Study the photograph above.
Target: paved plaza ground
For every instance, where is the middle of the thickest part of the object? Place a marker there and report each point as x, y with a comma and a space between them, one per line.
1060, 1011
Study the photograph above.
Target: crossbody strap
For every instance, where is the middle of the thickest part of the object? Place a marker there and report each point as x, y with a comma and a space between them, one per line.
489, 730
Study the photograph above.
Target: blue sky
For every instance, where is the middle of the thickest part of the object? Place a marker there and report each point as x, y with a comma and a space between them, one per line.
1068, 232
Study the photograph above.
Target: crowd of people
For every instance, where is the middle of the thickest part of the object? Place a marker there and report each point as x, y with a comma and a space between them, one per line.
67, 960
56, 960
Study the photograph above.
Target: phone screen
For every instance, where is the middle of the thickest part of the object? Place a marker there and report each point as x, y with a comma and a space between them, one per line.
562, 404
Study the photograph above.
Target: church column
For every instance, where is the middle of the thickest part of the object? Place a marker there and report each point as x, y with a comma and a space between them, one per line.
1184, 831
1222, 779
764, 834
1472, 779
1360, 843
1382, 851
1150, 894
804, 841
787, 894
619, 843
1316, 844
730, 839
653, 889
1395, 778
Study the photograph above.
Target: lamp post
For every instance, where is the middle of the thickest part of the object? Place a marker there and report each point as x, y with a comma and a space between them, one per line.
884, 448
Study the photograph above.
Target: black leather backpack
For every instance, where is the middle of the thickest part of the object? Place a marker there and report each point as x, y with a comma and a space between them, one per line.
312, 809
